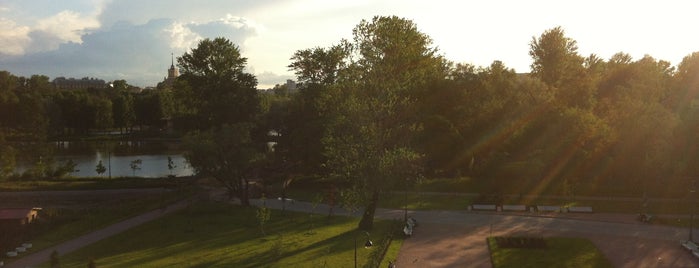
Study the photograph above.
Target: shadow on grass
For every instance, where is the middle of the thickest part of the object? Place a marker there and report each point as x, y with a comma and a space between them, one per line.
219, 235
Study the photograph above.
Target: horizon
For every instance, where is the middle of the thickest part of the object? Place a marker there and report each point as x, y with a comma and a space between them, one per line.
114, 40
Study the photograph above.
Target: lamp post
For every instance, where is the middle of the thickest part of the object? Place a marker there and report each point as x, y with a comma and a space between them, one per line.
367, 244
109, 160
405, 215
691, 209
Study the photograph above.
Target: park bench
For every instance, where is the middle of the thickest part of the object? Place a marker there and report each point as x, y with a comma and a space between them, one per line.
483, 207
690, 246
580, 209
514, 208
548, 208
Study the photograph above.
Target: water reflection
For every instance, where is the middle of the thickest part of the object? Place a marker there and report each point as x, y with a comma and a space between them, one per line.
117, 157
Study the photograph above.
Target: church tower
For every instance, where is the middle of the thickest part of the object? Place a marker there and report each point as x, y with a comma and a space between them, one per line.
173, 72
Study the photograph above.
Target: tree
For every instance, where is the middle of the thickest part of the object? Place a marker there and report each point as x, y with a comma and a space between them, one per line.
214, 85
100, 168
368, 140
228, 154
135, 165
556, 63
302, 124
170, 164
123, 110
222, 102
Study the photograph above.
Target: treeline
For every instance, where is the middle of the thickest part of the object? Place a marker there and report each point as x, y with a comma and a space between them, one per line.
31, 109
575, 123
382, 109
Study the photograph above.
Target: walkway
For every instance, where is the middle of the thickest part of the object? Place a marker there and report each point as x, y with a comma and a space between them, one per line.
43, 256
458, 238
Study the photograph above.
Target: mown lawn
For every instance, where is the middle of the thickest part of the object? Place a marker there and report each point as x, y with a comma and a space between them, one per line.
560, 252
57, 225
98, 183
220, 235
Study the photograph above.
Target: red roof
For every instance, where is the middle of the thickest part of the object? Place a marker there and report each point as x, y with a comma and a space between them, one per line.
15, 213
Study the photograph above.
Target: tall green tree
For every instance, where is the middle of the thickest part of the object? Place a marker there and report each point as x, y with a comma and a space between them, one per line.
229, 154
556, 62
223, 103
214, 86
368, 140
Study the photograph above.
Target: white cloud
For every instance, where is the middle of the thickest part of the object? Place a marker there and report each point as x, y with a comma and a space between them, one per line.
68, 25
181, 37
139, 53
13, 38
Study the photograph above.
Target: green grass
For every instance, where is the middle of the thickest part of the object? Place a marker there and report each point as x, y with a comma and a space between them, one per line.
69, 223
561, 252
219, 235
99, 183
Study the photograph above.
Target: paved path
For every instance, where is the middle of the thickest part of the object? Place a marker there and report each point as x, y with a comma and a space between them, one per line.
43, 256
458, 238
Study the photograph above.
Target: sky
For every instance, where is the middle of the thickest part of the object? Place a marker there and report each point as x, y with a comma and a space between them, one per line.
134, 39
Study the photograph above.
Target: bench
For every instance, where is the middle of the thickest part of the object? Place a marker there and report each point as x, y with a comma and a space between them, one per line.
548, 208
483, 207
514, 208
690, 246
580, 209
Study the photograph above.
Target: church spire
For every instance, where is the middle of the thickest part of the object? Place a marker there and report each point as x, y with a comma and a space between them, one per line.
172, 58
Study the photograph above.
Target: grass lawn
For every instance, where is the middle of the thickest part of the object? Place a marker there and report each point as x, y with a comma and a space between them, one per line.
221, 235
68, 223
560, 252
88, 184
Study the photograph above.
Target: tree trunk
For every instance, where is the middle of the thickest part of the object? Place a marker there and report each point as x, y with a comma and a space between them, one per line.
243, 194
367, 221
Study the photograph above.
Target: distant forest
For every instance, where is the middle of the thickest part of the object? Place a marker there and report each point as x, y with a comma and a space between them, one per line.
617, 125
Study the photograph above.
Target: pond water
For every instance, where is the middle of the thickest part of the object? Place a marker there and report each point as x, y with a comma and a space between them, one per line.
117, 157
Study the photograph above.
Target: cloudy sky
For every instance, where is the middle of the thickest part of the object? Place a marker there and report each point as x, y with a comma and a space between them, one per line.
133, 39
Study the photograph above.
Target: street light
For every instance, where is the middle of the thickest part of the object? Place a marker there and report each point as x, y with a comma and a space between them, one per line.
691, 209
405, 216
367, 244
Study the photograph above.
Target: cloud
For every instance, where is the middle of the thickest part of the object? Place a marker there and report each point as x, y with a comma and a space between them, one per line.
138, 53
68, 25
139, 11
13, 38
267, 80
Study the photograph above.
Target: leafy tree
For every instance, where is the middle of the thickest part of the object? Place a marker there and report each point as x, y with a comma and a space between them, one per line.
228, 154
135, 165
8, 158
214, 85
100, 168
556, 63
367, 143
304, 118
123, 110
170, 164
222, 101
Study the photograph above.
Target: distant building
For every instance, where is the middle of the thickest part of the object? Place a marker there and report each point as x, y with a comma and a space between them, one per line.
72, 83
290, 86
172, 74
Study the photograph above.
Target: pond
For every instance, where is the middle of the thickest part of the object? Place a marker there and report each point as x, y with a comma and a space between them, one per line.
118, 156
